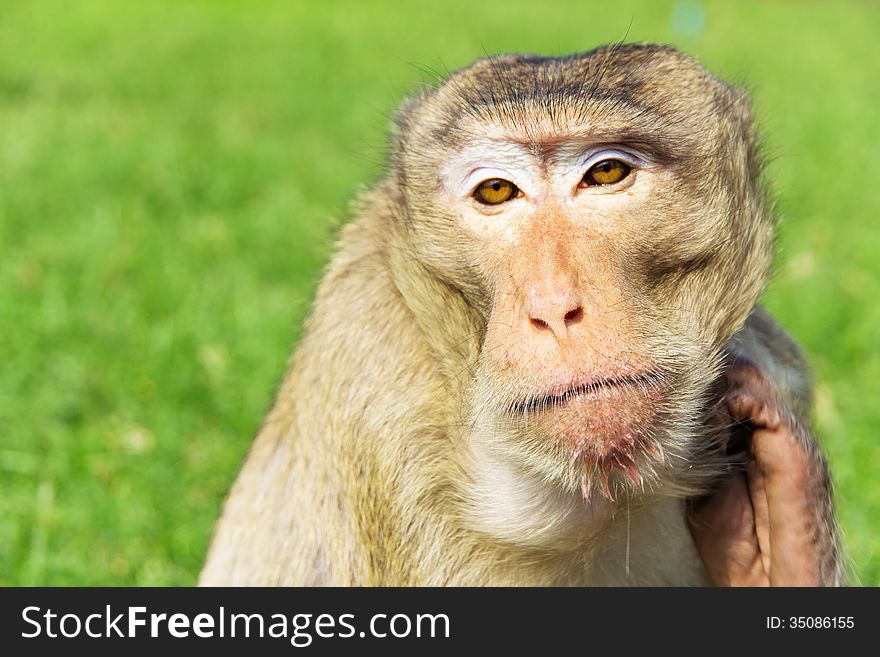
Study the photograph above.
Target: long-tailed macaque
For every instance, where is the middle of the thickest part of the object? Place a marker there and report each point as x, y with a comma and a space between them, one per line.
537, 356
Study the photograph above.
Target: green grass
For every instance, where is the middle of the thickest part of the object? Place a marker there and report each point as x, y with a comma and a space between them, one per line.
171, 175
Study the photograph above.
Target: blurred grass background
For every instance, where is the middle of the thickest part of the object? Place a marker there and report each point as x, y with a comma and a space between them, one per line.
171, 174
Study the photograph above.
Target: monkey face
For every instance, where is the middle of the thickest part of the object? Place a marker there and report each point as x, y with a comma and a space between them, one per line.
603, 214
582, 355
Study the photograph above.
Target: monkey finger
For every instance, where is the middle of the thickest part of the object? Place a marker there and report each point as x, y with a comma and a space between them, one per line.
758, 498
786, 476
723, 529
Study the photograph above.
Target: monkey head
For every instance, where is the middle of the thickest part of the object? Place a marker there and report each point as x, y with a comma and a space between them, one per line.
603, 215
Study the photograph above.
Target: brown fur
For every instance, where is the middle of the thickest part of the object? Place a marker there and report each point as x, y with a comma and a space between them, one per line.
391, 456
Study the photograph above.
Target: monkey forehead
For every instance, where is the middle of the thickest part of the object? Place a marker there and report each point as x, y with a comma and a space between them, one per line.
647, 90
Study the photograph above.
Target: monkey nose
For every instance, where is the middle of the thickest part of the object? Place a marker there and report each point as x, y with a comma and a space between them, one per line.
554, 312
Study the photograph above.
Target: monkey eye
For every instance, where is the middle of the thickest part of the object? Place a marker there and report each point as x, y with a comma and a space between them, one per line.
495, 191
606, 172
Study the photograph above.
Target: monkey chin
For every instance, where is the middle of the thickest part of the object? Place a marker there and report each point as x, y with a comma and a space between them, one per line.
603, 427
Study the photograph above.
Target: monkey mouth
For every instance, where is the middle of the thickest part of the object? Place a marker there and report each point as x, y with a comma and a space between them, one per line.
593, 389
602, 424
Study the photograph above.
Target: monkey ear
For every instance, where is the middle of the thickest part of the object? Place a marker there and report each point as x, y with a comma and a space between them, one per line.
751, 396
766, 425
753, 402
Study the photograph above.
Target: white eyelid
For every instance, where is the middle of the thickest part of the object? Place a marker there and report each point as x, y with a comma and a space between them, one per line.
627, 157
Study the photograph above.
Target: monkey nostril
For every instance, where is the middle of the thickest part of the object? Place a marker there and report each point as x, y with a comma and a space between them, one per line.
571, 317
574, 316
538, 323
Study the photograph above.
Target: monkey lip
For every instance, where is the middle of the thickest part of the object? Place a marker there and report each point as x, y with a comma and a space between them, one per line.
594, 389
603, 424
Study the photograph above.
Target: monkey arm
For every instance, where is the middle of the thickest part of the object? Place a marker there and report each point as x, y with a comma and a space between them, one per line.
771, 523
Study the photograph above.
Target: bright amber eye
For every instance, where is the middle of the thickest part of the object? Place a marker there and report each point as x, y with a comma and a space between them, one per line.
606, 172
495, 191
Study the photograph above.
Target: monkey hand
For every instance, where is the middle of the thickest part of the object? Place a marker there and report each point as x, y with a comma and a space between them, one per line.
765, 525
